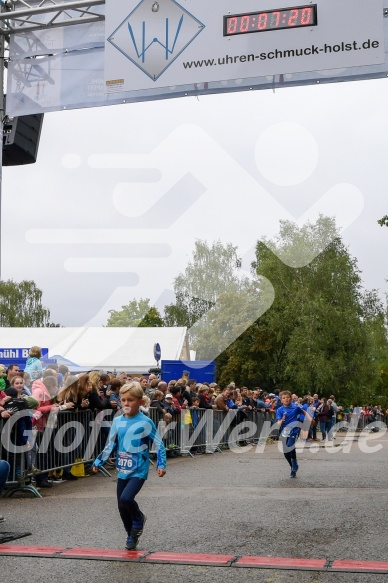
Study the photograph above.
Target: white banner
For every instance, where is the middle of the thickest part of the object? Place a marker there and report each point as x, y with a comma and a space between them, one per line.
161, 43
69, 71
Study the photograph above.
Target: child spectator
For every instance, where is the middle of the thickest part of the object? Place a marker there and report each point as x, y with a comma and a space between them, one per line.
157, 403
195, 401
195, 417
145, 407
33, 363
3, 374
168, 404
134, 432
194, 410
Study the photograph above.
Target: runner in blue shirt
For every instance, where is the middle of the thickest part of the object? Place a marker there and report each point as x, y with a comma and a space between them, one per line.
133, 433
289, 417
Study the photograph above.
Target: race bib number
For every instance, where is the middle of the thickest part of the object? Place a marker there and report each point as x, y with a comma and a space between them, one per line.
286, 432
126, 462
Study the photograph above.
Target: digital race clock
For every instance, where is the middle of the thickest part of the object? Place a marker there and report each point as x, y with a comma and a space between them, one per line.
271, 20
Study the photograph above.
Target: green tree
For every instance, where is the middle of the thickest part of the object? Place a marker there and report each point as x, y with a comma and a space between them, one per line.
313, 337
375, 323
136, 313
21, 305
234, 313
214, 268
186, 310
215, 300
383, 222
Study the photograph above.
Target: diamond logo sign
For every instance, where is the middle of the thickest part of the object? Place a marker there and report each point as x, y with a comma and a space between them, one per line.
154, 34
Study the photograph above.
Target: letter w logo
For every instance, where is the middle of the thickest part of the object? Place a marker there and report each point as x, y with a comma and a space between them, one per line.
153, 40
166, 44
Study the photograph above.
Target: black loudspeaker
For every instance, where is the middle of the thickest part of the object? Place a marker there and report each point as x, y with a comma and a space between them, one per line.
21, 139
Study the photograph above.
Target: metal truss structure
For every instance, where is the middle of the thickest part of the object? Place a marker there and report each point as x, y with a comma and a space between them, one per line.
21, 16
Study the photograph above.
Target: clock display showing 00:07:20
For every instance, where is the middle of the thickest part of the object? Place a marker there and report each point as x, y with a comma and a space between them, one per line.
270, 20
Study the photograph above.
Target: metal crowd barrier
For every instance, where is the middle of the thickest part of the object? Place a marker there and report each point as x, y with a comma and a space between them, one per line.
72, 438
208, 431
69, 439
358, 422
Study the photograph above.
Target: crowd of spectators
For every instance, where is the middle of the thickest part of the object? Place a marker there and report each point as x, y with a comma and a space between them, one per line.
43, 391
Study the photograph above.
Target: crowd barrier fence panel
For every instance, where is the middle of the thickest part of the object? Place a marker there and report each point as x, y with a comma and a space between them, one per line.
196, 431
17, 459
169, 431
69, 438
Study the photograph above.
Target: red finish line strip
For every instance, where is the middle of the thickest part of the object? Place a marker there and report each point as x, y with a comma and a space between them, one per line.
103, 554
195, 559
32, 551
360, 566
281, 563
191, 559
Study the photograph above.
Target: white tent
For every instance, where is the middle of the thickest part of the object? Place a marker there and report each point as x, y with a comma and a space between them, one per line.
120, 349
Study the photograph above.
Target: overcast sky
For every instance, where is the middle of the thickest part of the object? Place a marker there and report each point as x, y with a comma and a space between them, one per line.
113, 206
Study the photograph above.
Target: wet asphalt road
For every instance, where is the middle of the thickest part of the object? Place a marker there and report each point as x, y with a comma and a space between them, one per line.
227, 503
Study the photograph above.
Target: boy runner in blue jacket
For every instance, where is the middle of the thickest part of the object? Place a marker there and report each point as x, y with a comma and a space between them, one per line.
289, 417
133, 432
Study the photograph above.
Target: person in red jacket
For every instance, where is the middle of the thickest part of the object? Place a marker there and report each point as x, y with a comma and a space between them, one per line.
4, 398
175, 392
